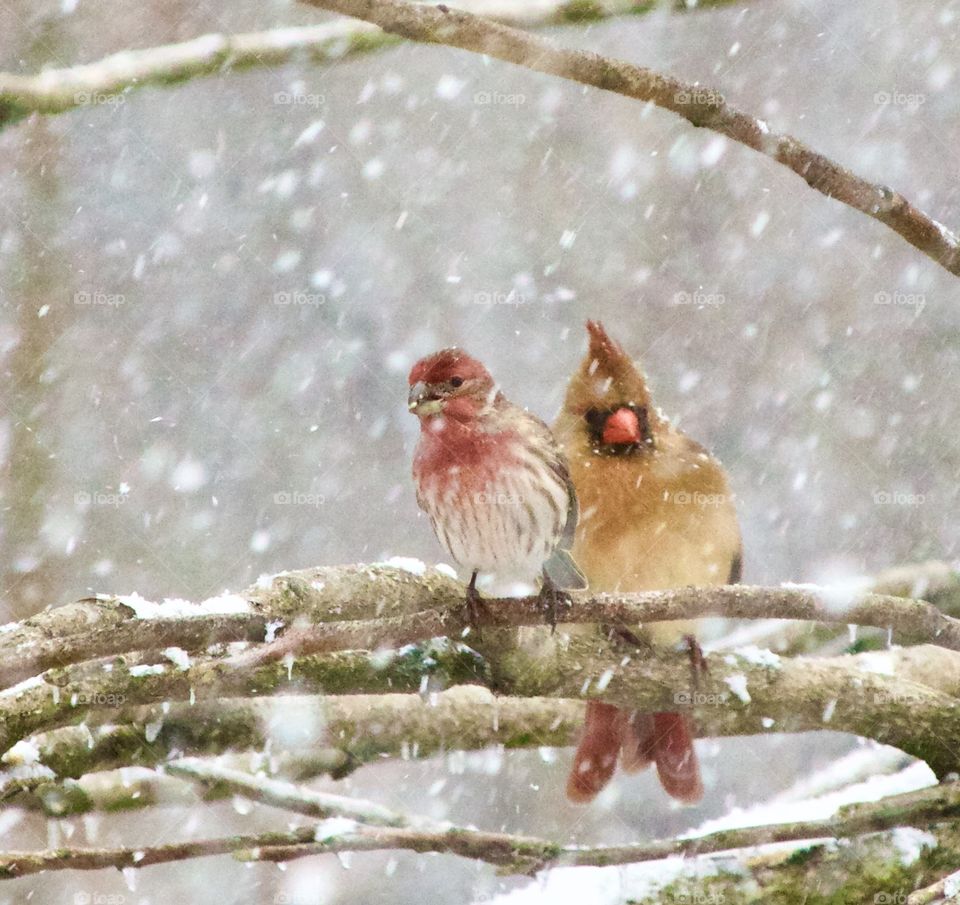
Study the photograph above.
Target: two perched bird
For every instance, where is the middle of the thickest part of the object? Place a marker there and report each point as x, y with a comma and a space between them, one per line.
655, 511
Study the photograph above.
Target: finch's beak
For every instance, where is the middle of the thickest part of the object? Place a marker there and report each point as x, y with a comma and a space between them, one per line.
420, 403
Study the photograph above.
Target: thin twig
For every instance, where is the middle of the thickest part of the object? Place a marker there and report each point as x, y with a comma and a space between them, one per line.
279, 794
518, 854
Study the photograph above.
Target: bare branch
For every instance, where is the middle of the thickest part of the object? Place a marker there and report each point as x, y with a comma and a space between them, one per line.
280, 794
355, 730
698, 105
58, 90
740, 694
921, 620
517, 854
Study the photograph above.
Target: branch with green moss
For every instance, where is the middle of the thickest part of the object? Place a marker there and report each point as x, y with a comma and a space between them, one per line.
339, 734
873, 695
366, 607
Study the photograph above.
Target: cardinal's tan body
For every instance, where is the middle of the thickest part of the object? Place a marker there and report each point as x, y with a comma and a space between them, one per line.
655, 514
674, 523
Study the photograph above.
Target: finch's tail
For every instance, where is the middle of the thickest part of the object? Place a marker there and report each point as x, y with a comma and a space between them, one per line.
665, 739
564, 572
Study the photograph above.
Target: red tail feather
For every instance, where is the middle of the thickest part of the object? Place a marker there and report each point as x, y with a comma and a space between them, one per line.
665, 739
597, 753
677, 764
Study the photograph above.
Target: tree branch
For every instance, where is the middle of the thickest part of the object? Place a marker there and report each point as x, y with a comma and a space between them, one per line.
283, 795
366, 607
700, 106
105, 81
355, 730
517, 854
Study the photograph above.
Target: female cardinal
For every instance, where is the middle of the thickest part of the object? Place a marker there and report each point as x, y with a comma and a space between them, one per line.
492, 479
657, 513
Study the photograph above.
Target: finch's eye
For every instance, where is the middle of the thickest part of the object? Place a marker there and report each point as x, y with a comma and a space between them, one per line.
456, 382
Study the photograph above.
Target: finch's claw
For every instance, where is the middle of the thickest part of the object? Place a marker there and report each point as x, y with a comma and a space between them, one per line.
698, 663
554, 601
476, 609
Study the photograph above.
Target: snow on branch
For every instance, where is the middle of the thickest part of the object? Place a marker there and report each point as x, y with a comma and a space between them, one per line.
372, 660
366, 607
701, 106
388, 629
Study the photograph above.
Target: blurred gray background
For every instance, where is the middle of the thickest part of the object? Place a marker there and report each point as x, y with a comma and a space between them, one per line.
211, 295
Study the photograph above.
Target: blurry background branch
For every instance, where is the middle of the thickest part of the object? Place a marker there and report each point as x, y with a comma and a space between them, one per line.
699, 105
59, 90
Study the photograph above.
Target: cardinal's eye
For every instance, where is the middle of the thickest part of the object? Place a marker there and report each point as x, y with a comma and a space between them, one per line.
456, 381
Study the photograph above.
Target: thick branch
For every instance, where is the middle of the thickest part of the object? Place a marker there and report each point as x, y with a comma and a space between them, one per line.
356, 729
842, 693
698, 105
922, 621
409, 608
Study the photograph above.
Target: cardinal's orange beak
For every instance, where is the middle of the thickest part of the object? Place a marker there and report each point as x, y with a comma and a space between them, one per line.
622, 427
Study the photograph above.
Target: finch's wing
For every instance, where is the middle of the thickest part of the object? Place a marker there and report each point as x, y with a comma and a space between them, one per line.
561, 566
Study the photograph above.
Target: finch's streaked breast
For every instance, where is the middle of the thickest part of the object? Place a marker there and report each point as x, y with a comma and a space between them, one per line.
495, 503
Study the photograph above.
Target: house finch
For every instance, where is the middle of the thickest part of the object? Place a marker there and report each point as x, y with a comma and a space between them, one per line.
492, 479
656, 513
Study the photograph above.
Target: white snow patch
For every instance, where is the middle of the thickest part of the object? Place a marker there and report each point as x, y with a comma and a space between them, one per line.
836, 597
911, 842
20, 687
738, 685
22, 753
155, 669
781, 809
881, 662
225, 604
758, 656
333, 827
272, 630
178, 657
445, 569
767, 722
951, 885
601, 885
408, 564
